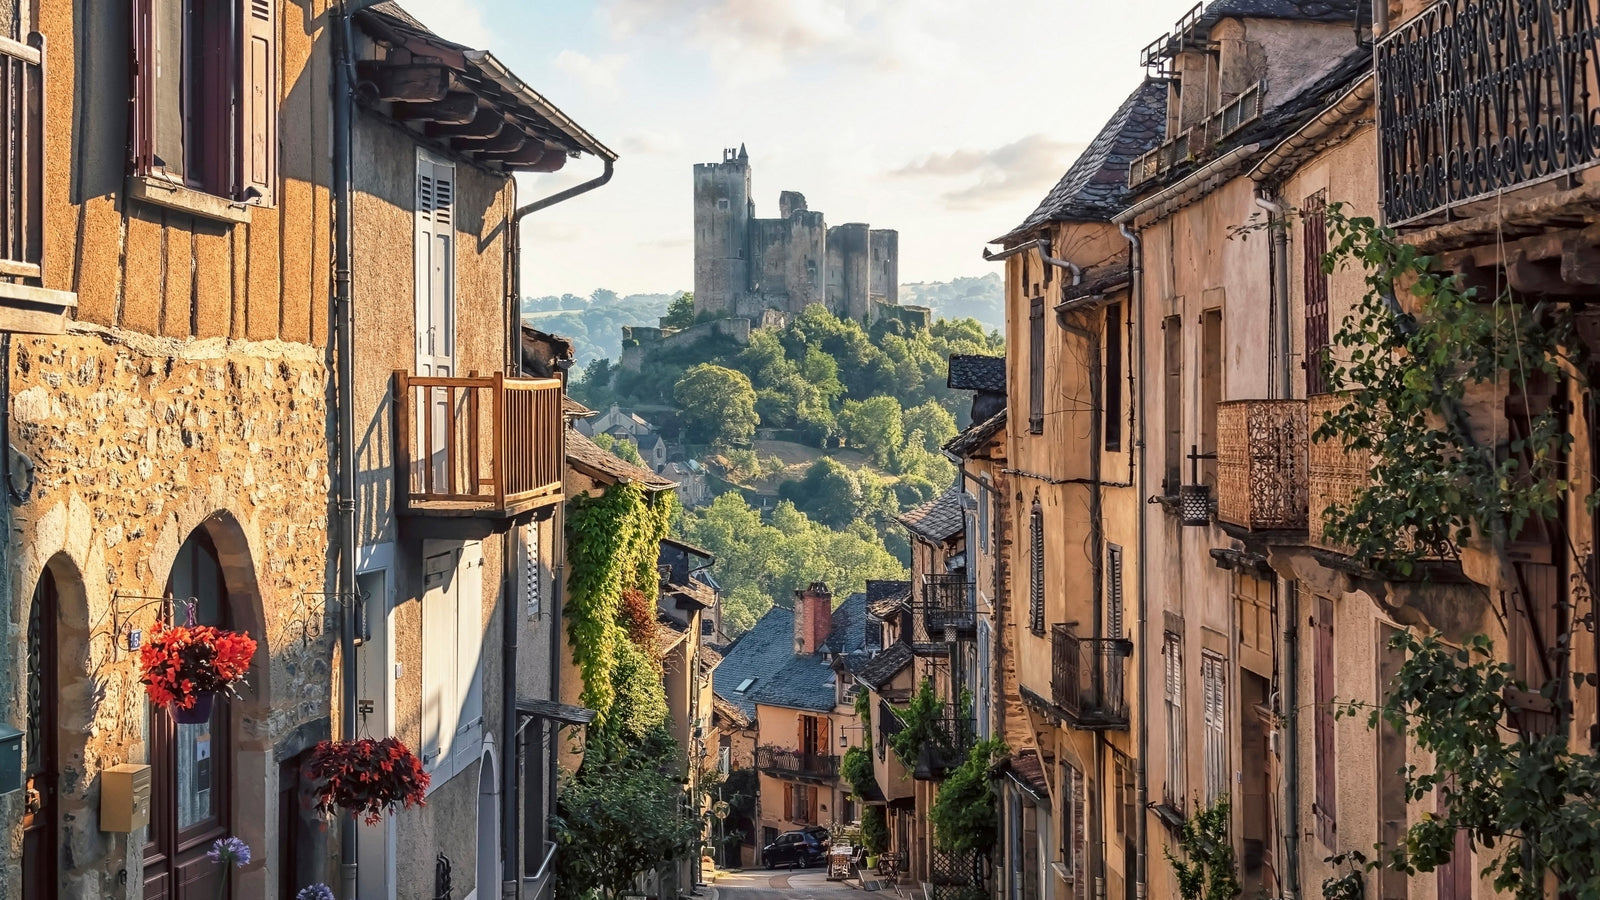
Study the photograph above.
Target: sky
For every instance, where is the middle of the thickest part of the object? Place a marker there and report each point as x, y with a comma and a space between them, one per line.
948, 120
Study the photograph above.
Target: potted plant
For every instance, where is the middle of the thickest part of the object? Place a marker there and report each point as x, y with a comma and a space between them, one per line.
367, 777
186, 666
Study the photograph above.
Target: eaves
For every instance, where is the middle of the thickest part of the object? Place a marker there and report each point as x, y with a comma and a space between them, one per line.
1191, 188
1332, 123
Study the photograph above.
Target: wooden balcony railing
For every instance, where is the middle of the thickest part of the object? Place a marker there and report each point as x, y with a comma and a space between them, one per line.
1477, 98
947, 611
478, 446
797, 764
1088, 679
1261, 464
22, 157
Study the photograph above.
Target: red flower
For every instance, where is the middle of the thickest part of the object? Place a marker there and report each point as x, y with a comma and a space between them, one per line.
181, 662
367, 777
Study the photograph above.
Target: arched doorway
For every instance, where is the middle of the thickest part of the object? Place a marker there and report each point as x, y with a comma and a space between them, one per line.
487, 883
191, 781
40, 878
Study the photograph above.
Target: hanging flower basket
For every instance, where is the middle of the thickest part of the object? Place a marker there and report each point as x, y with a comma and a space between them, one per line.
186, 666
368, 778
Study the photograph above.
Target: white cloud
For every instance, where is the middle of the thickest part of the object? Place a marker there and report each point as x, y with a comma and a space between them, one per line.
1021, 168
596, 73
460, 21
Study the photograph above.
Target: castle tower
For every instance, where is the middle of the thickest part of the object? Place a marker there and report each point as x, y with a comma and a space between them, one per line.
722, 211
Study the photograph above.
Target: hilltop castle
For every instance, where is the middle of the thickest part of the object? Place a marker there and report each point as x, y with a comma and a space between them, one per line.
744, 266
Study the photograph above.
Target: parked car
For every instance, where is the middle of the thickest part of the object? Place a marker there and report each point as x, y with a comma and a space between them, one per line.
795, 848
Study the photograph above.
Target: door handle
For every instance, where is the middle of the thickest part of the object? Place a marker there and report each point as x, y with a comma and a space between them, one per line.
33, 801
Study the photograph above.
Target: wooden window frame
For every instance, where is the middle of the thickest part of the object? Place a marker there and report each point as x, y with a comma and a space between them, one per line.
1036, 367
1172, 403
1314, 241
1112, 395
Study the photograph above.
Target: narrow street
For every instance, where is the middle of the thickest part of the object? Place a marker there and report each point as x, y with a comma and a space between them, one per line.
789, 884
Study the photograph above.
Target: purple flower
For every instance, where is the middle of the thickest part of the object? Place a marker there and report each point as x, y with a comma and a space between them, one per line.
318, 891
229, 850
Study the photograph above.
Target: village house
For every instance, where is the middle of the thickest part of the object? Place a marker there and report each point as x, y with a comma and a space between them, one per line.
792, 675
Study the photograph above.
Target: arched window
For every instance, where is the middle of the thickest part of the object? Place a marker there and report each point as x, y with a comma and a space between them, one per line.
39, 845
190, 776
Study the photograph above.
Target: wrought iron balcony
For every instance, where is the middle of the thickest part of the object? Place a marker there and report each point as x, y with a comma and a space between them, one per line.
889, 725
1261, 464
1476, 98
796, 764
947, 748
486, 447
948, 610
1334, 474
1089, 679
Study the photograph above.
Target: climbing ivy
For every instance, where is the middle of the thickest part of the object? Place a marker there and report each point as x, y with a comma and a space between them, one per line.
856, 767
1207, 870
613, 541
966, 814
923, 718
875, 830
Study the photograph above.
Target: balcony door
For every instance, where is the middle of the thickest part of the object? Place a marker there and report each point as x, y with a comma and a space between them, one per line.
436, 308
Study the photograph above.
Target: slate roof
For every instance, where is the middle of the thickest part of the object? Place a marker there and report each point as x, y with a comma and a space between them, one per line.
721, 706
884, 597
1299, 10
972, 372
940, 519
587, 457
977, 434
885, 666
1095, 188
766, 654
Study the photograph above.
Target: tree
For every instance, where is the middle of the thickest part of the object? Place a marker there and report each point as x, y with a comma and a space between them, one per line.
935, 423
593, 388
875, 426
966, 814
680, 314
1207, 870
717, 406
621, 447
829, 493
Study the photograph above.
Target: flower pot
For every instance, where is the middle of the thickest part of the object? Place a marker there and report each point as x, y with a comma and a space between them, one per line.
872, 862
198, 714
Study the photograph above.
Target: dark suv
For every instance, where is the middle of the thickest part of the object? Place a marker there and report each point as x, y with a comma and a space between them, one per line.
795, 848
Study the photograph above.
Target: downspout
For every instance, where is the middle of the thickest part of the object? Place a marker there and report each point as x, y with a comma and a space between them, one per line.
1278, 269
343, 303
1291, 752
1043, 246
1136, 429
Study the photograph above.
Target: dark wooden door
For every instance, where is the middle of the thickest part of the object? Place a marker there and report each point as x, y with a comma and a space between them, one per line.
39, 815
189, 764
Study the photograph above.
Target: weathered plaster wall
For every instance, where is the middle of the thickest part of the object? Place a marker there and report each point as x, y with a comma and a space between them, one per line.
138, 442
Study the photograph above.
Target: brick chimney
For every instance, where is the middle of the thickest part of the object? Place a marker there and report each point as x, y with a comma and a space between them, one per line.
813, 618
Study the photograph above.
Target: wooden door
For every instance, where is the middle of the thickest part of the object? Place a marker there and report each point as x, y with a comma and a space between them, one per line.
39, 845
190, 772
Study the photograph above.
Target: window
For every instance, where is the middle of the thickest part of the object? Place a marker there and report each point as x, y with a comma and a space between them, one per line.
205, 95
1036, 365
452, 643
1074, 829
800, 802
1323, 806
1172, 406
1176, 790
1214, 684
744, 685
531, 580
1114, 375
984, 500
1314, 238
1210, 390
1253, 599
1036, 569
1114, 623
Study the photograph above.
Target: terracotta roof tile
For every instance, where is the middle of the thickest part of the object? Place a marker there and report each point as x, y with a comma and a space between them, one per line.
939, 519
587, 457
977, 434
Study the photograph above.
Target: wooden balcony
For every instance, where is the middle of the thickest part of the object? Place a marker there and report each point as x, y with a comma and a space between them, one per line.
786, 763
494, 445
1261, 464
1089, 679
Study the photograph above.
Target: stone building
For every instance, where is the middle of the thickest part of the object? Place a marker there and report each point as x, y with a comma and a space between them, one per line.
744, 265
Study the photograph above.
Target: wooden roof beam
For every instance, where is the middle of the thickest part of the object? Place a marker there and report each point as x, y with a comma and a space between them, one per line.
486, 124
457, 108
414, 83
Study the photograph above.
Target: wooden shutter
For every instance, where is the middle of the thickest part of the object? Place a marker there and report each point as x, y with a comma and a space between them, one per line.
1114, 623
1080, 837
1324, 806
1036, 569
1176, 787
438, 677
469, 632
824, 736
1455, 876
1314, 240
1214, 691
258, 100
141, 105
532, 587
1113, 385
1036, 365
788, 801
1172, 356
1211, 375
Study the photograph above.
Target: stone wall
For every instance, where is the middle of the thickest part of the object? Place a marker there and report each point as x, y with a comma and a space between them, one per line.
137, 443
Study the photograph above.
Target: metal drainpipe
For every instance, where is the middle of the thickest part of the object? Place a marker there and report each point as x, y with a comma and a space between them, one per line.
1278, 268
1291, 751
1043, 246
1136, 397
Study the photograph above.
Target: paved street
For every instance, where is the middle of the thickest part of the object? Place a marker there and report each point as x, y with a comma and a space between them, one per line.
795, 884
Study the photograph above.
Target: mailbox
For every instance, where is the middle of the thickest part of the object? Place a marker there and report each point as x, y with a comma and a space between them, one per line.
10, 759
124, 798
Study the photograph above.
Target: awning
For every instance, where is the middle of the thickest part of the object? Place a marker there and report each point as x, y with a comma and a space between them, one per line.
554, 712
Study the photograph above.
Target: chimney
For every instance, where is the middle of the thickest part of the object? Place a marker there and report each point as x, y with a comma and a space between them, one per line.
813, 618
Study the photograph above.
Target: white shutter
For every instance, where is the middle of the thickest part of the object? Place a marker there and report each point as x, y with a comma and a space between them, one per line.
438, 660
1213, 688
1114, 624
530, 579
469, 636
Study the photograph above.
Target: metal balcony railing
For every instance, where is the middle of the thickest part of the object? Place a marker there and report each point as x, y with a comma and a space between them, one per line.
796, 764
1475, 98
22, 157
889, 725
1088, 679
1261, 464
948, 747
488, 446
948, 610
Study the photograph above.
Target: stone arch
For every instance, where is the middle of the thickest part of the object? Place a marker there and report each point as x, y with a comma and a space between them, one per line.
488, 872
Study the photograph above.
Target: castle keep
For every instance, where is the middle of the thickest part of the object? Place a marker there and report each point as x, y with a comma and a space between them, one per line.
744, 265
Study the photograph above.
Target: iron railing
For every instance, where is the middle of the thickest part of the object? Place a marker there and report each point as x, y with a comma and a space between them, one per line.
947, 611
1088, 679
947, 747
1261, 464
1478, 96
22, 157
491, 444
795, 763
